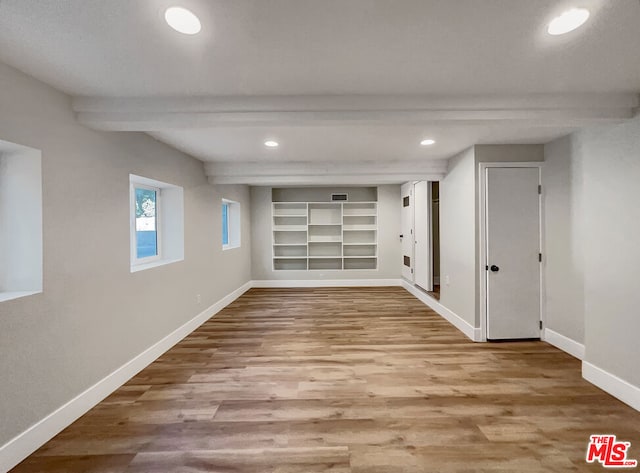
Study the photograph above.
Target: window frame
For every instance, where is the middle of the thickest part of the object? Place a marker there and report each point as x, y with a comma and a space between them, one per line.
234, 224
227, 204
134, 234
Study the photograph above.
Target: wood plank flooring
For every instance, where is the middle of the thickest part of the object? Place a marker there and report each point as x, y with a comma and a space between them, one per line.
342, 380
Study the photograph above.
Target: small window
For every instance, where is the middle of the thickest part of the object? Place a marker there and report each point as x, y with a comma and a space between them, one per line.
230, 224
157, 223
225, 224
147, 229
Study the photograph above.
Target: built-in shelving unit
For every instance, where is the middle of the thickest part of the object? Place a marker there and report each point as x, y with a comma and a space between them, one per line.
325, 236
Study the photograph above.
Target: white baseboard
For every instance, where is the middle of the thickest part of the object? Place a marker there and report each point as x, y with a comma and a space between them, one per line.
24, 444
454, 319
565, 344
326, 282
619, 388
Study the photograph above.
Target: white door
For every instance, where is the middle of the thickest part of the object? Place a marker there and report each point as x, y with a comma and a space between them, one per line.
513, 249
406, 218
422, 249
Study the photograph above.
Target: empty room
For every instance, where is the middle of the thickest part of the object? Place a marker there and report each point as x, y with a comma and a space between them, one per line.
302, 236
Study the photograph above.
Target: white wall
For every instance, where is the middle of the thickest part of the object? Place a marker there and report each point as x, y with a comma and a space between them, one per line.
458, 237
563, 259
610, 158
94, 314
592, 233
389, 255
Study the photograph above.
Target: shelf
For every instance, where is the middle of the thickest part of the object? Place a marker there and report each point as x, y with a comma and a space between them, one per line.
290, 264
325, 233
289, 220
317, 236
360, 236
360, 263
290, 228
290, 238
360, 251
362, 209
286, 209
325, 214
290, 251
325, 263
353, 228
325, 249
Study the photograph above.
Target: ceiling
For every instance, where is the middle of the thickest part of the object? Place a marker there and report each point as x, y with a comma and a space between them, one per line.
332, 80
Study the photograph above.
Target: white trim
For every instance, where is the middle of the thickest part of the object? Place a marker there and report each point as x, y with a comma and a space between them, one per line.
154, 264
454, 319
482, 243
10, 295
618, 388
326, 282
24, 444
565, 344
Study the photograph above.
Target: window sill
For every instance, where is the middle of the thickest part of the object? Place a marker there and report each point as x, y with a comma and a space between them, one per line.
154, 264
229, 247
8, 296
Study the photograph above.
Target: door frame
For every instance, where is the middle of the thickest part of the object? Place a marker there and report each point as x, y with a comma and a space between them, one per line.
428, 286
482, 241
410, 185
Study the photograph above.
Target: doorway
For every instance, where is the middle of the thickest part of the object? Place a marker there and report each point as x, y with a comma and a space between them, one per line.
511, 250
435, 239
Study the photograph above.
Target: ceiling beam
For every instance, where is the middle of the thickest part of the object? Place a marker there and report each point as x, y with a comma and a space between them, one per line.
161, 114
333, 173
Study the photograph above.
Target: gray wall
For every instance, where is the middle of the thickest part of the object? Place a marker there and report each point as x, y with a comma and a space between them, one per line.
601, 275
611, 216
389, 254
94, 314
458, 237
563, 259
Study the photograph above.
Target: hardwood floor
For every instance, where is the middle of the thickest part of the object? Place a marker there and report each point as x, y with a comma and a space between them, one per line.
342, 380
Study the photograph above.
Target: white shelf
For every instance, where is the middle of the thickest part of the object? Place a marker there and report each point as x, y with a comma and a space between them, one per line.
355, 228
330, 236
290, 228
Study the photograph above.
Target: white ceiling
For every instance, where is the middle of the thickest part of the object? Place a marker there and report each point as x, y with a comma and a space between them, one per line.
352, 143
478, 54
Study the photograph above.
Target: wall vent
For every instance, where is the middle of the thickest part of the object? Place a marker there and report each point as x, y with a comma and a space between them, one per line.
340, 197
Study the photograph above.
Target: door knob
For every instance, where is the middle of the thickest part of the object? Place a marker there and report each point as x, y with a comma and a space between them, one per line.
494, 268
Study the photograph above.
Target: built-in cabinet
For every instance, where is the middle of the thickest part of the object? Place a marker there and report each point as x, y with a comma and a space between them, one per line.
324, 236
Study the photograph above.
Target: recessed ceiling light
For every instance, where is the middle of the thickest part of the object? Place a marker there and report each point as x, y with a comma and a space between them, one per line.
271, 144
568, 21
182, 20
427, 142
